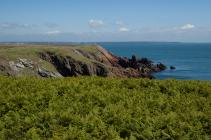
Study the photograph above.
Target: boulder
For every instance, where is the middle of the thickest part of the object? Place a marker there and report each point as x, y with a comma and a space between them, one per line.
161, 67
2, 68
102, 71
19, 65
123, 62
133, 62
172, 67
26, 63
146, 62
47, 74
13, 66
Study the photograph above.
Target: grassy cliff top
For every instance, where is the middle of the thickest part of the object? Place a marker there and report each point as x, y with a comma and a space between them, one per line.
11, 52
104, 108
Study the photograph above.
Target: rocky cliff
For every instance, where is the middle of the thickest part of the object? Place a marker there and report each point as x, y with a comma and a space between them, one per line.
67, 61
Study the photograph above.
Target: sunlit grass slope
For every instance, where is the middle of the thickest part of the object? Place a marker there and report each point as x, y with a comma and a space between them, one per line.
104, 108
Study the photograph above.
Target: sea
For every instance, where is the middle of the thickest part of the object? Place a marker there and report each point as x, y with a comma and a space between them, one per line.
192, 60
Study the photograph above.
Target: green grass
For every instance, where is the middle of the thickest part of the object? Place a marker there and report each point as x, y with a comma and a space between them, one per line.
104, 108
13, 52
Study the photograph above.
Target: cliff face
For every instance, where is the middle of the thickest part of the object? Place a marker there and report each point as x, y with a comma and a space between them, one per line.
67, 61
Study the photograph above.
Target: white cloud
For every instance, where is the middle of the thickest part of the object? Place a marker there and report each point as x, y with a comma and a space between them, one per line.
51, 25
10, 25
53, 32
95, 23
119, 23
187, 27
124, 29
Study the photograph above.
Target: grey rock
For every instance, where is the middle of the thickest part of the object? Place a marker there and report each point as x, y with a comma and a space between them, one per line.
102, 71
26, 63
172, 67
2, 68
13, 66
19, 65
47, 74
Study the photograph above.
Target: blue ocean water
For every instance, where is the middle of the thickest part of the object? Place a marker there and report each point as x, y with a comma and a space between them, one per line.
192, 60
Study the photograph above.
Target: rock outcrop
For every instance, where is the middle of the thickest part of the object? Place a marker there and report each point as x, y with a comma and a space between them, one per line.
47, 74
20, 64
103, 64
67, 66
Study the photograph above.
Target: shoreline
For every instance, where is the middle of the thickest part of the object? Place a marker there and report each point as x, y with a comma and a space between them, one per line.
74, 60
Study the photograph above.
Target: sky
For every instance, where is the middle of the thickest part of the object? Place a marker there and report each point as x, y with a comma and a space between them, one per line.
105, 20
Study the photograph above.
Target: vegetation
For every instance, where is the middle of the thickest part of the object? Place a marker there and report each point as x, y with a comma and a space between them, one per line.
12, 52
104, 108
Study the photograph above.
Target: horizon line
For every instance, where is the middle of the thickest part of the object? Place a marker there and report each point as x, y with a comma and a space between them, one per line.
88, 42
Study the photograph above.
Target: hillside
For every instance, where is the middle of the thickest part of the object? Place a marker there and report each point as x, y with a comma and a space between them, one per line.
104, 108
73, 60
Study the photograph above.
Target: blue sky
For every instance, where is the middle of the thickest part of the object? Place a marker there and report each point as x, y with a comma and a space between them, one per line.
105, 20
